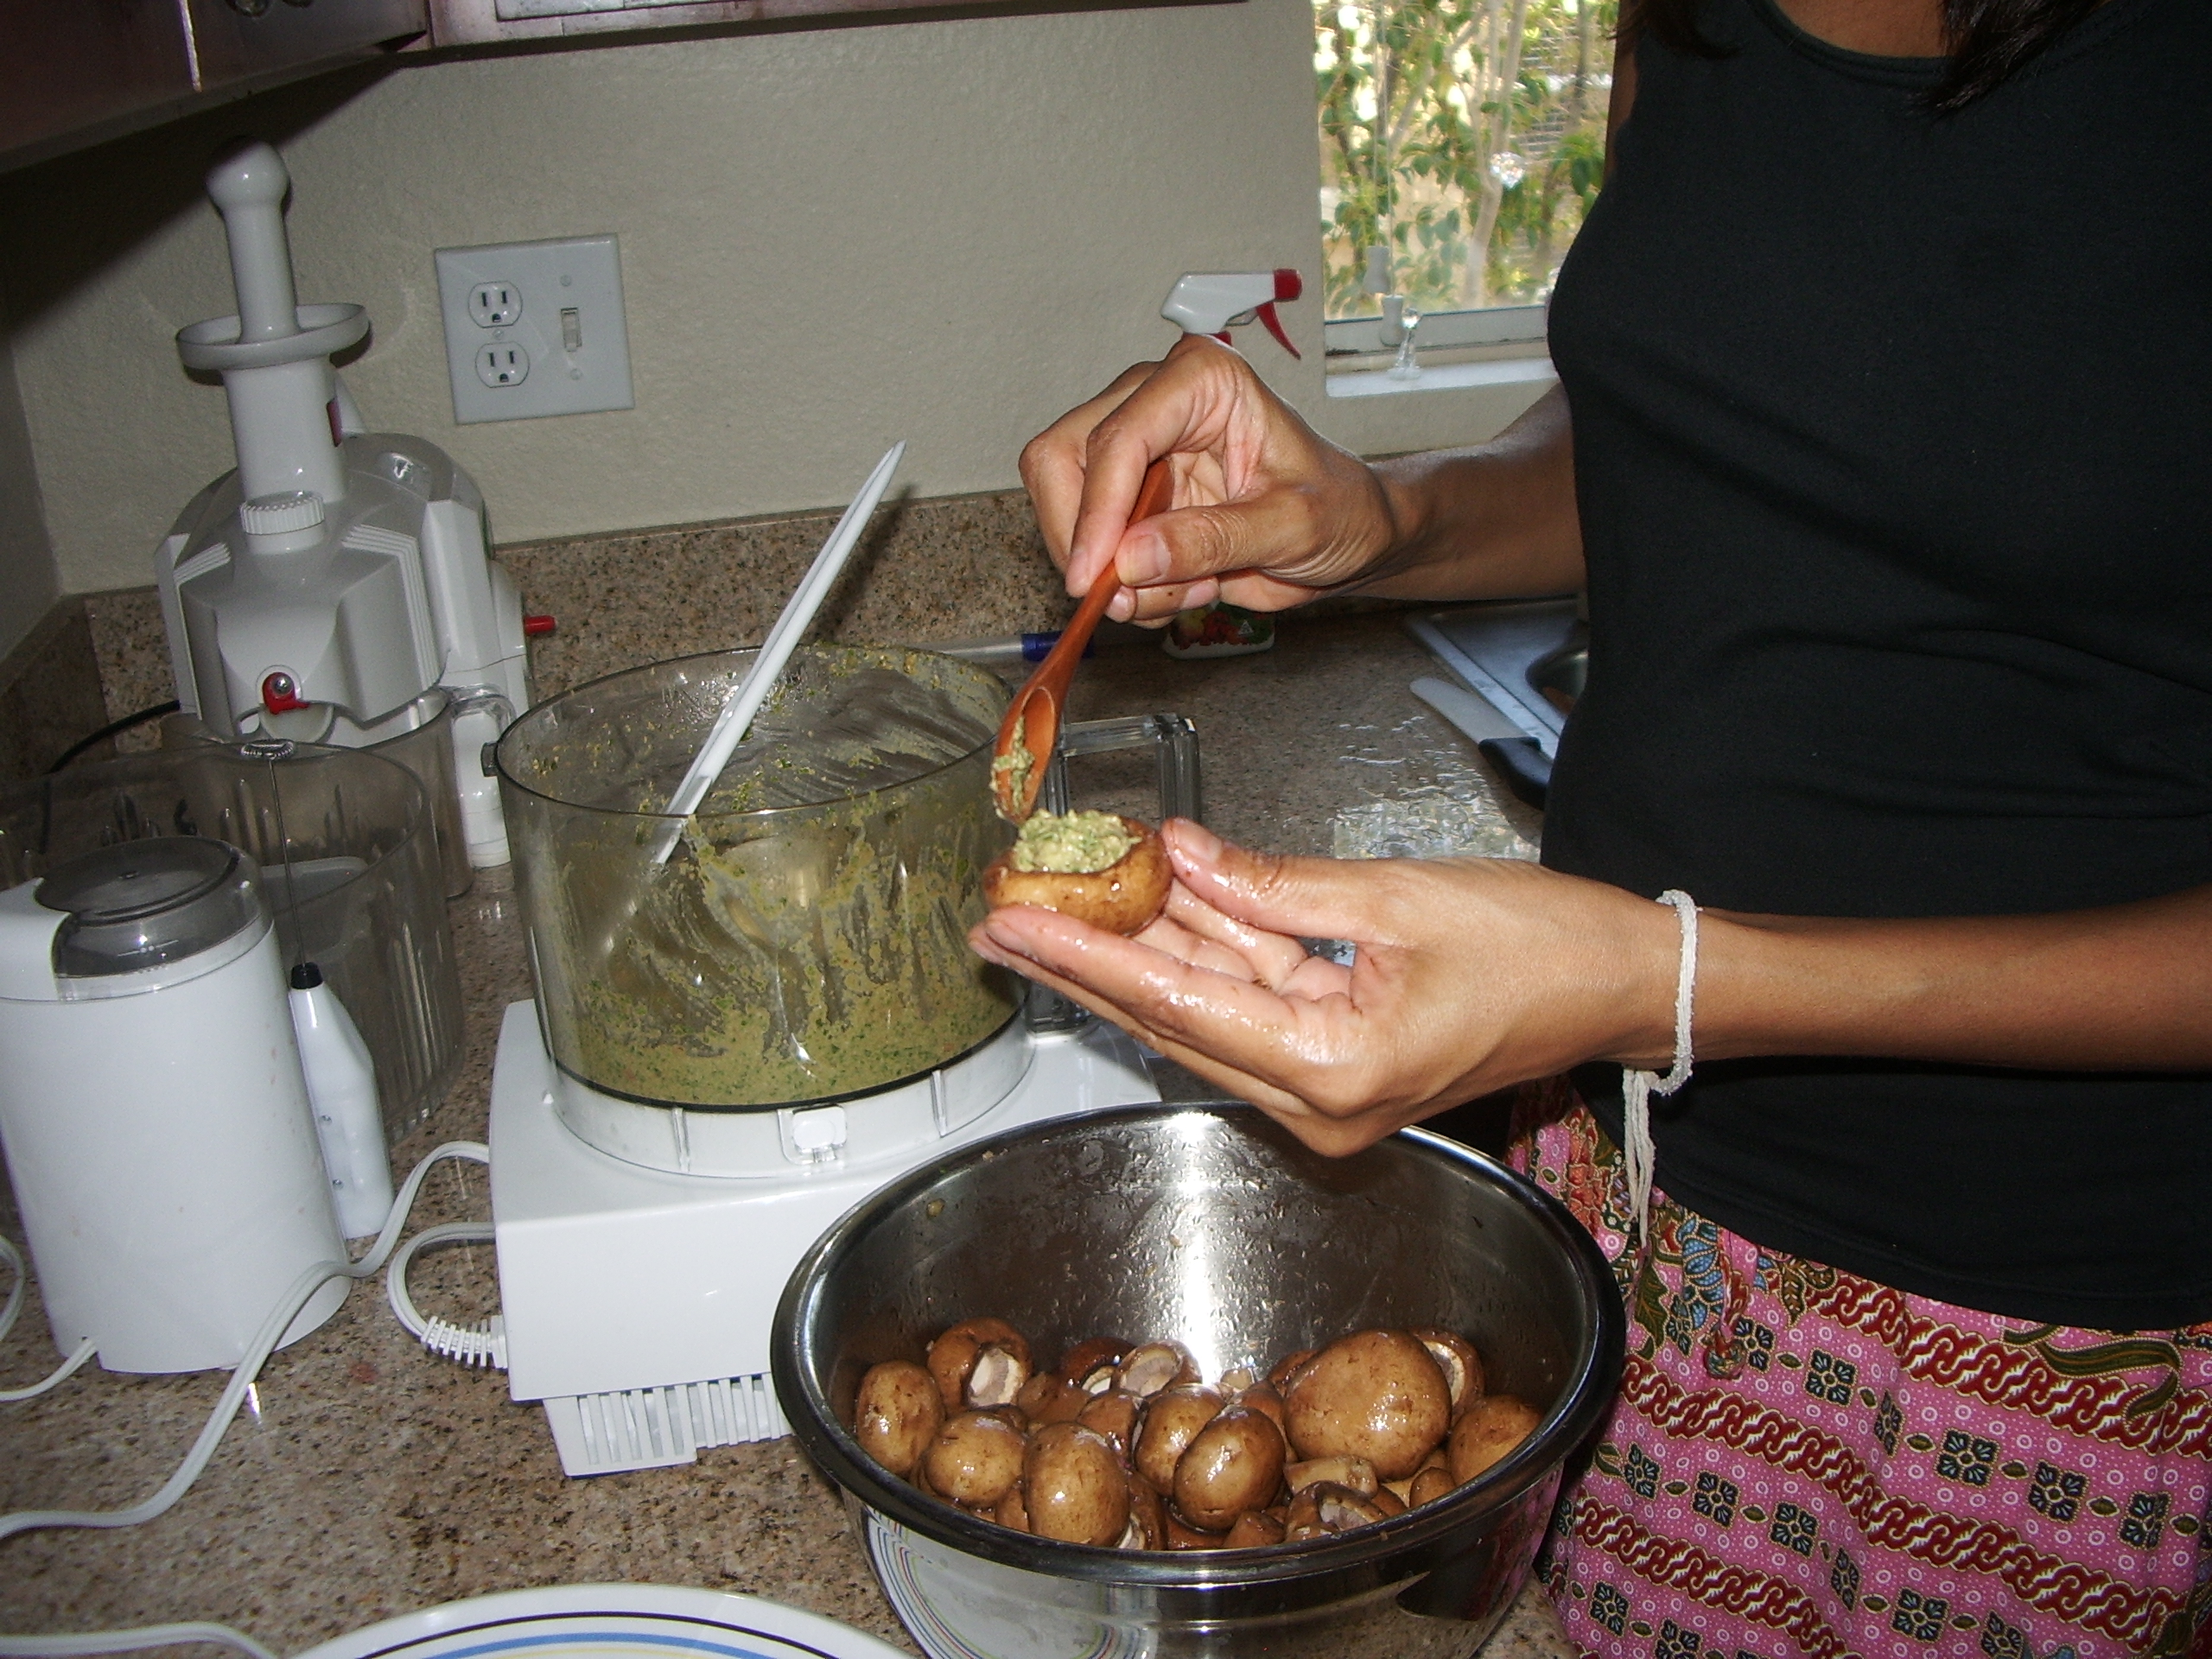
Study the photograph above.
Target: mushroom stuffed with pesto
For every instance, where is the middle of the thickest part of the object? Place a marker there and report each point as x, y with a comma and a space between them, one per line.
1099, 868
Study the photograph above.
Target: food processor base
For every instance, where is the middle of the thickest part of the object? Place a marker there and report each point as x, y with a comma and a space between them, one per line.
638, 1301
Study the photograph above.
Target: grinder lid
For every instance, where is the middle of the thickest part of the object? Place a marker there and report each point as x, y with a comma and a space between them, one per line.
142, 904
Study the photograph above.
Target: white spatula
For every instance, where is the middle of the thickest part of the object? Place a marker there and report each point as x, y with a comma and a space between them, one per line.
745, 701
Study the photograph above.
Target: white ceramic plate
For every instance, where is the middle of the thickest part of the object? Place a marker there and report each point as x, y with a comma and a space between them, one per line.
607, 1621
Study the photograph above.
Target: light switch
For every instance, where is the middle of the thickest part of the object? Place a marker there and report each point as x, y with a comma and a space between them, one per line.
547, 317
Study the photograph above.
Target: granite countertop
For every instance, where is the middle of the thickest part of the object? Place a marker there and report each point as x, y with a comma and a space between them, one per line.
367, 1478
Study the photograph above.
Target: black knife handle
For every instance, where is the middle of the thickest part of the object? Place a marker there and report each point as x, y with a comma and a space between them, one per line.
1521, 762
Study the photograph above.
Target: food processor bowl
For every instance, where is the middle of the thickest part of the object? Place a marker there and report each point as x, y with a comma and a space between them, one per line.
1212, 1226
806, 941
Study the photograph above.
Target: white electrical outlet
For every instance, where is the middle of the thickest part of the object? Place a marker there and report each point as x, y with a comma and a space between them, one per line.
535, 329
503, 365
494, 305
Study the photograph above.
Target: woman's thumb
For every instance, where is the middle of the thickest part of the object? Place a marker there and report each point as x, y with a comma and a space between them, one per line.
1265, 530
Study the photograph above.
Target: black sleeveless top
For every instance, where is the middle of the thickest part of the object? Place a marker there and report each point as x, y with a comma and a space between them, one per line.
1893, 445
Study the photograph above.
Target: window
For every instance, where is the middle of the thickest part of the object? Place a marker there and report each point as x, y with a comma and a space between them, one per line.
1462, 142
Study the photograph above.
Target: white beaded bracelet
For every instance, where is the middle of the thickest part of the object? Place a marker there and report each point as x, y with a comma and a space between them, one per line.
1637, 1087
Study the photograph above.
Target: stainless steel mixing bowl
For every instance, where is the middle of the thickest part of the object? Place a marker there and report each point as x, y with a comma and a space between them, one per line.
1210, 1225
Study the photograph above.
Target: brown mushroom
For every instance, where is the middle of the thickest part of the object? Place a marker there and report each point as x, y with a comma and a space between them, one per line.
1255, 1529
1376, 1395
1013, 1511
1489, 1431
952, 1355
1147, 1370
896, 1414
976, 1458
1172, 1419
1342, 1509
1435, 1481
1075, 1485
1086, 1356
1286, 1367
1302, 1520
1261, 1396
1048, 1397
1233, 1464
1456, 1358
1148, 1515
1182, 1535
1124, 898
1354, 1473
997, 1375
1114, 1414
1325, 1508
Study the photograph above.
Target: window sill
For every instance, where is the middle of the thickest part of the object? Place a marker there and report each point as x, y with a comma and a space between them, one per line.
1443, 376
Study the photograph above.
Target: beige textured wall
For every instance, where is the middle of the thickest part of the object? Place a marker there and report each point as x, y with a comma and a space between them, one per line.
942, 230
27, 580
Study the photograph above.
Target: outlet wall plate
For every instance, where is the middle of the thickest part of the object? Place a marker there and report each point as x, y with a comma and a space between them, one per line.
535, 329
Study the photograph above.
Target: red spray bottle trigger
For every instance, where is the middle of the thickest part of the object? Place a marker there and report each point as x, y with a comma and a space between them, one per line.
1210, 302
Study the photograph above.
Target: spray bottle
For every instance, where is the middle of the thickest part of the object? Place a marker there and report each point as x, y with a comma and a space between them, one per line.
1212, 302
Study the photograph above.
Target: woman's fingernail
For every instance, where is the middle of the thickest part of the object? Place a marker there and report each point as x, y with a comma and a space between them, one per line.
1196, 840
1142, 560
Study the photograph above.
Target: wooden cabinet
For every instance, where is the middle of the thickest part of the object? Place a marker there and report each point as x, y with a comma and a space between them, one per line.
74, 71
471, 23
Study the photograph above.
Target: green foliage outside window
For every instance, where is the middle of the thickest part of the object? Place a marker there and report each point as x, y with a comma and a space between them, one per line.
1465, 135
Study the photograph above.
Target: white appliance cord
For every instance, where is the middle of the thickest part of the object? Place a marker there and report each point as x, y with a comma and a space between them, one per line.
483, 1343
146, 1636
61, 1373
249, 1368
14, 1258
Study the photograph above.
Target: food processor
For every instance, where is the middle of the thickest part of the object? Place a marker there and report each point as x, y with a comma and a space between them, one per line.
730, 1049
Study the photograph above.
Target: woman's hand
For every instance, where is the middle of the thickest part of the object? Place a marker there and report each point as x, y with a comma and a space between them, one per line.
1470, 975
1265, 513
1474, 974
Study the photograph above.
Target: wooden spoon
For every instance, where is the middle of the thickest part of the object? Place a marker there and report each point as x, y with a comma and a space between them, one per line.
1031, 725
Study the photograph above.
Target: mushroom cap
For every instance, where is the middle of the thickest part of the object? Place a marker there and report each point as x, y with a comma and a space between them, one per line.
1234, 1466
1172, 1419
1124, 898
1487, 1432
896, 1414
1075, 1487
1377, 1395
976, 1458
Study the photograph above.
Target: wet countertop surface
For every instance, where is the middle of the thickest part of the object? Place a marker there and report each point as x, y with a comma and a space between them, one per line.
367, 1478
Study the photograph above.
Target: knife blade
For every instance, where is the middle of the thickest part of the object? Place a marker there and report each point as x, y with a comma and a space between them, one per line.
1518, 758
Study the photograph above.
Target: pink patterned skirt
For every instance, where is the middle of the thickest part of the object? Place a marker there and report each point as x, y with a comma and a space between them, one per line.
1805, 1462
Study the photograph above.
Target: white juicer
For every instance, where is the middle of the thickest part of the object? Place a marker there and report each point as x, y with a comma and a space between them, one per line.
336, 587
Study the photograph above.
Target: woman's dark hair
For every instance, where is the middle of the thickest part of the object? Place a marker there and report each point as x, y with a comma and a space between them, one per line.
1990, 41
